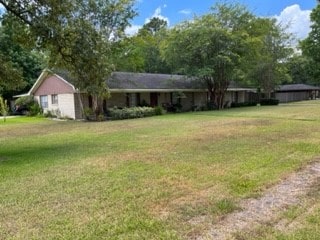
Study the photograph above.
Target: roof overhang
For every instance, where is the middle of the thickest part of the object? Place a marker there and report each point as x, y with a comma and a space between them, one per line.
114, 90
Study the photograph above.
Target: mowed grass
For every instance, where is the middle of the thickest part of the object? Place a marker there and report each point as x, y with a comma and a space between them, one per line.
166, 177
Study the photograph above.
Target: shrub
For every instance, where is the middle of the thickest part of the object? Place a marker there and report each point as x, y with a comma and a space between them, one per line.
34, 109
158, 110
244, 104
176, 107
88, 113
4, 108
25, 101
134, 112
27, 105
270, 101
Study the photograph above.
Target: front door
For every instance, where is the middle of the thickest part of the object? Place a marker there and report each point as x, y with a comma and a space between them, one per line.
153, 99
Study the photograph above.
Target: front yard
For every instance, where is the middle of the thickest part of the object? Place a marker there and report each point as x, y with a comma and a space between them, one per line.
152, 178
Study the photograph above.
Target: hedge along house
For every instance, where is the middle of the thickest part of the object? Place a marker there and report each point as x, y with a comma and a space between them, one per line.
296, 92
55, 92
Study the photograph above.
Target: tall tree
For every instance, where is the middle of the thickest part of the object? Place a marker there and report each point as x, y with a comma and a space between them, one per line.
269, 50
77, 34
300, 69
311, 47
210, 48
141, 53
27, 62
153, 26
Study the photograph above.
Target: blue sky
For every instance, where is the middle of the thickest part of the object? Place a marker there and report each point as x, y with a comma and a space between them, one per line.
174, 11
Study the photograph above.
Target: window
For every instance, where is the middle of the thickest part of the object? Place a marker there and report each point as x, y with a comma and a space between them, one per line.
44, 101
54, 99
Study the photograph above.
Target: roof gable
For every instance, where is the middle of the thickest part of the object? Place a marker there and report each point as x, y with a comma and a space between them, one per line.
50, 83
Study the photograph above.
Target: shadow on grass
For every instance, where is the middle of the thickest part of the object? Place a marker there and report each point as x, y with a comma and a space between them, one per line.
41, 154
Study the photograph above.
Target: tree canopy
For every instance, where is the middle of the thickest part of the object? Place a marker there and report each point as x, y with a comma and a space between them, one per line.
76, 35
311, 47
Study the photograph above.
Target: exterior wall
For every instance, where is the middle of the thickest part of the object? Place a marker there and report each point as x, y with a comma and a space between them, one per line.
66, 105
64, 108
117, 99
200, 99
187, 102
53, 85
284, 97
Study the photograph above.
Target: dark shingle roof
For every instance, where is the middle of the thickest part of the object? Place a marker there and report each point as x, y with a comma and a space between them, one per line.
147, 81
123, 80
296, 87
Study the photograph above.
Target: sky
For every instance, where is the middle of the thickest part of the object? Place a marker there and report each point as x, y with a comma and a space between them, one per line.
295, 12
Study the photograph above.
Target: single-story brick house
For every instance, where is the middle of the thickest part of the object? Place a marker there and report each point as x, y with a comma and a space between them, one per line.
296, 92
55, 92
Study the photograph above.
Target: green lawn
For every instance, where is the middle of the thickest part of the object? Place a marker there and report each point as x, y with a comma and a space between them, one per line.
152, 178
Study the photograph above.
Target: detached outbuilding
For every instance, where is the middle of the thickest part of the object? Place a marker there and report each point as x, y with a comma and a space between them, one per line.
296, 92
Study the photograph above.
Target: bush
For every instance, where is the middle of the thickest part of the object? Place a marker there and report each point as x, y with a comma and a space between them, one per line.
158, 110
34, 109
27, 105
25, 101
176, 107
128, 113
243, 104
270, 101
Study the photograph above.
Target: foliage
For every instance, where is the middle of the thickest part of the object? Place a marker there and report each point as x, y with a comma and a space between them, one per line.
310, 46
10, 77
158, 110
134, 112
210, 48
77, 36
26, 61
269, 50
175, 107
301, 69
269, 101
4, 108
88, 113
25, 101
32, 107
141, 53
243, 104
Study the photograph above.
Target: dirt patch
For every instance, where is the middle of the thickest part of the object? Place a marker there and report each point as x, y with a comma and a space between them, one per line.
256, 212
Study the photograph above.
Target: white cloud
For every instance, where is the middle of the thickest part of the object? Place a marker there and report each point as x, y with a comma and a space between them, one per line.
297, 19
132, 30
157, 14
185, 11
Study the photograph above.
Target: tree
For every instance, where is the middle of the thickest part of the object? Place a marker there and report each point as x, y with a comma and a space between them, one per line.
300, 69
210, 48
311, 47
268, 52
24, 64
153, 26
10, 77
77, 35
4, 108
141, 53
